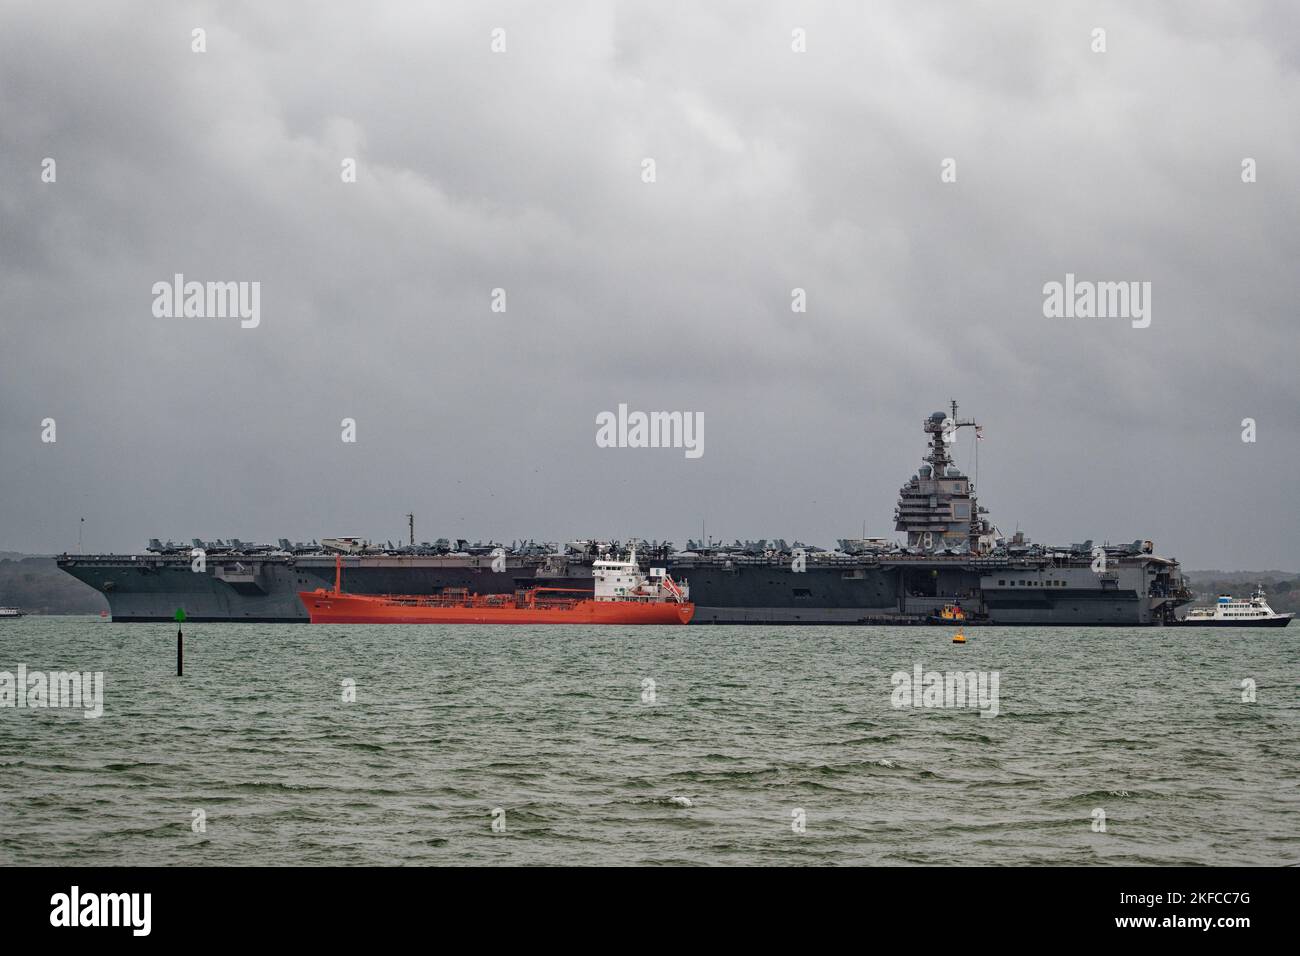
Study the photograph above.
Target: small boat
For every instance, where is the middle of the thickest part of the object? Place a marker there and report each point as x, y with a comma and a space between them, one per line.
950, 613
1231, 612
10, 612
623, 595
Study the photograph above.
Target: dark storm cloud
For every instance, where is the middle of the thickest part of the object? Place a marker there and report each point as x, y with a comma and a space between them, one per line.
522, 170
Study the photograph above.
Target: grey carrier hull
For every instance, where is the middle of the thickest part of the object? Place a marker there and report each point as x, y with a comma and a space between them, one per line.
952, 555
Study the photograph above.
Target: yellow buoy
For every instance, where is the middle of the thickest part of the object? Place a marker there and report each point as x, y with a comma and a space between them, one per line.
959, 638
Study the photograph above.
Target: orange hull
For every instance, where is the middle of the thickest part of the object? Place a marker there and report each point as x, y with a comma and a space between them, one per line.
326, 607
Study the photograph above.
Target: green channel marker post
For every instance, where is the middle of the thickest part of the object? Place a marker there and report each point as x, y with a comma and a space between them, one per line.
180, 647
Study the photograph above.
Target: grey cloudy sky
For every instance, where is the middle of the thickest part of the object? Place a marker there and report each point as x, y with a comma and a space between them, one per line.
522, 170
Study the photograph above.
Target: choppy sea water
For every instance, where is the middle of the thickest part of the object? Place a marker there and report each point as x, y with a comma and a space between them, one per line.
555, 730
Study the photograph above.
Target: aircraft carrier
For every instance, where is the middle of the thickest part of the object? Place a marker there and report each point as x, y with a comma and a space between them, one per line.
952, 555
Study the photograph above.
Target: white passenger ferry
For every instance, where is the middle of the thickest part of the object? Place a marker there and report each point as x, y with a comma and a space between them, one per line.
10, 612
1230, 612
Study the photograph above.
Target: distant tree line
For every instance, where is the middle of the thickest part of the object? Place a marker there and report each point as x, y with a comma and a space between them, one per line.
37, 586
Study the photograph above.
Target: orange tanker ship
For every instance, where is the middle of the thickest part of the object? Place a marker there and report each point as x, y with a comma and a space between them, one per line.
623, 595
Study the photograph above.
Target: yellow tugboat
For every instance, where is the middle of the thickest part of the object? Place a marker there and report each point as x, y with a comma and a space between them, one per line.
952, 613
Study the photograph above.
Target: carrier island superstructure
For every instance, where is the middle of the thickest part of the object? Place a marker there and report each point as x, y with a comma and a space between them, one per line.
951, 554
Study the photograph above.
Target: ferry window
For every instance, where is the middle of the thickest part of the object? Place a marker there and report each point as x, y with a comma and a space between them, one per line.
1002, 584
